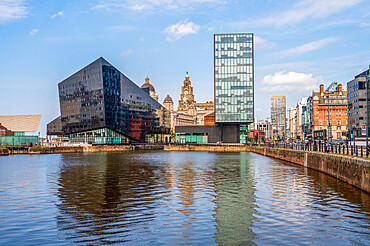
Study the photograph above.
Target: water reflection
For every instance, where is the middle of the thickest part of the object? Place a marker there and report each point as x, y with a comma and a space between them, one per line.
175, 198
97, 196
235, 200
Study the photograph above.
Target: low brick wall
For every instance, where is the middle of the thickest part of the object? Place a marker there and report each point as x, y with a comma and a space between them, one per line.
110, 148
4, 151
78, 149
54, 150
106, 148
206, 148
355, 171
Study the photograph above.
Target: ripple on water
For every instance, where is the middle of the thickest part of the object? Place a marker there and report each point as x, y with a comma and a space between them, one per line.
180, 198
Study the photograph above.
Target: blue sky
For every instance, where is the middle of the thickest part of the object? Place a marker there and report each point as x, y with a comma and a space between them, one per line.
299, 45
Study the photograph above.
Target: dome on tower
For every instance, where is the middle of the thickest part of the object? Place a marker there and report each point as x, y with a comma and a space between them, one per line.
168, 99
148, 85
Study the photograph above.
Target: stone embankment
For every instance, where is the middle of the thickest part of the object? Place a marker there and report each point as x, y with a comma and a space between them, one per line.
77, 149
109, 148
355, 171
4, 151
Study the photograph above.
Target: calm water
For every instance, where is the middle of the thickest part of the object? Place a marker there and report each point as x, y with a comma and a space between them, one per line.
175, 198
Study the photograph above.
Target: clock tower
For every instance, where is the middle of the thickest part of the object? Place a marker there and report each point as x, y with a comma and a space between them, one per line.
186, 96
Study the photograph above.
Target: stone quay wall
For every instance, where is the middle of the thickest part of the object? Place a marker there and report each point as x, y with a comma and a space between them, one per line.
4, 151
54, 150
355, 171
110, 148
79, 149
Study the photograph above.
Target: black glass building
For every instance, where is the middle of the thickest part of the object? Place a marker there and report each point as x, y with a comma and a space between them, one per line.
234, 78
100, 105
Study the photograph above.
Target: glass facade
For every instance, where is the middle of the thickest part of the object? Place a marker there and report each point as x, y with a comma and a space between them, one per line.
100, 97
234, 78
99, 136
18, 140
199, 138
243, 134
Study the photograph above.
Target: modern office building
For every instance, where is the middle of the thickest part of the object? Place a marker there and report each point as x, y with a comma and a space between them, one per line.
233, 92
356, 96
100, 105
278, 117
55, 127
234, 78
234, 83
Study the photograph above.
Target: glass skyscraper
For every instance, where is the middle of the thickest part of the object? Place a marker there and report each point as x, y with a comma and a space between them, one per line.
234, 78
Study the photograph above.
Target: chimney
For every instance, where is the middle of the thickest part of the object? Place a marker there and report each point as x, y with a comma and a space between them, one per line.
340, 87
321, 88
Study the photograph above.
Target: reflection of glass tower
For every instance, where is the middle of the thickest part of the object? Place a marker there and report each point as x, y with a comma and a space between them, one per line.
234, 78
235, 199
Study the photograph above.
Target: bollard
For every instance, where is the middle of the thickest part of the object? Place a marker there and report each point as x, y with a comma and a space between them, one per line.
362, 154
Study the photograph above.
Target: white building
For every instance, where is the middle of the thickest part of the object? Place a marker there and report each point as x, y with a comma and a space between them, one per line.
265, 126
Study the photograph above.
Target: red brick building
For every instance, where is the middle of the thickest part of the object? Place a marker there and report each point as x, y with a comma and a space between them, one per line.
259, 133
333, 101
209, 119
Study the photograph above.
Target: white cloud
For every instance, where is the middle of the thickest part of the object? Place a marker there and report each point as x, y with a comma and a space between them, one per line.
12, 10
33, 32
299, 50
138, 7
60, 13
126, 52
305, 9
181, 29
365, 24
152, 4
289, 81
122, 28
261, 43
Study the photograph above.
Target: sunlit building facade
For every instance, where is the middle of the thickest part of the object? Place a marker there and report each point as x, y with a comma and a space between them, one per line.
234, 78
278, 116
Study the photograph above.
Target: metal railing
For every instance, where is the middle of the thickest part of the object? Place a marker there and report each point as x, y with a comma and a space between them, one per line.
343, 149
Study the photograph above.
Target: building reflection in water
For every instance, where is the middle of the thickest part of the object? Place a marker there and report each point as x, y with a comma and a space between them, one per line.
201, 198
235, 199
105, 195
190, 202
